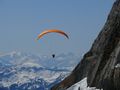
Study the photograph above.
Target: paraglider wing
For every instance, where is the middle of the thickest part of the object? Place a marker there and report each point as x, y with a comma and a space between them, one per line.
51, 31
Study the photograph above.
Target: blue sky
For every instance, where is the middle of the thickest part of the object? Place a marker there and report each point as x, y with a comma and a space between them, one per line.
22, 20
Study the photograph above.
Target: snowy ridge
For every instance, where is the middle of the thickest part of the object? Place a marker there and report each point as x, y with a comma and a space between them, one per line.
82, 85
23, 71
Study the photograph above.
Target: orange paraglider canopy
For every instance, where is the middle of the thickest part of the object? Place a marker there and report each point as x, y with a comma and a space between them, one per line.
52, 31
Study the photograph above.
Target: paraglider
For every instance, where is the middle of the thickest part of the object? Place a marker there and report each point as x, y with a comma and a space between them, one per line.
53, 55
52, 31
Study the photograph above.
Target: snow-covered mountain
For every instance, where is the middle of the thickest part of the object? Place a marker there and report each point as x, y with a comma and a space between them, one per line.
23, 71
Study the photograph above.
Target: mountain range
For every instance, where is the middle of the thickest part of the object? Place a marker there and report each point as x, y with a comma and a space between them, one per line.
26, 71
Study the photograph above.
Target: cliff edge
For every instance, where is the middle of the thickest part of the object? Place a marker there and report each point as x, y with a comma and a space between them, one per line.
101, 64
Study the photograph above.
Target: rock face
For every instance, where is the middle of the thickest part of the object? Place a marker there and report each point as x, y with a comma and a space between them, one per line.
101, 65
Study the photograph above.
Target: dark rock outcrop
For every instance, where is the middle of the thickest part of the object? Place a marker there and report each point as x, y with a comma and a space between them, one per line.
101, 65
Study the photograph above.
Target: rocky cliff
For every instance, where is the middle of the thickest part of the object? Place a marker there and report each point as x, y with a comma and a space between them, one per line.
101, 65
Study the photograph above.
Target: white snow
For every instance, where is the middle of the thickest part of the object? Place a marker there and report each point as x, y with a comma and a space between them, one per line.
117, 66
31, 64
82, 85
22, 76
26, 67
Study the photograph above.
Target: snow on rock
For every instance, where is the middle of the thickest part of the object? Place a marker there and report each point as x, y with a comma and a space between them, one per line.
117, 66
82, 85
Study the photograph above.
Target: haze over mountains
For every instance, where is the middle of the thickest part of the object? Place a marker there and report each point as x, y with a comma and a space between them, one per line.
25, 71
